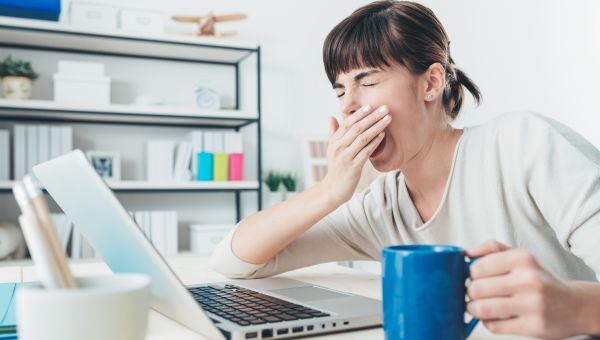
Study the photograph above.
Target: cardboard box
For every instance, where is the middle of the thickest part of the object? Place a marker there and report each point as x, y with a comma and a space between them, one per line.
93, 15
80, 90
141, 20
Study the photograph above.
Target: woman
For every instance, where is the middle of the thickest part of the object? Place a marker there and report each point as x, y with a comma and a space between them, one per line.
528, 183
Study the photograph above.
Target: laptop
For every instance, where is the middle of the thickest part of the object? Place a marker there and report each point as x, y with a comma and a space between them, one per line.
271, 308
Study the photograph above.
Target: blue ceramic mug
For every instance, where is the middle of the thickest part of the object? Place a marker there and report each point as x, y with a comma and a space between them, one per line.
424, 292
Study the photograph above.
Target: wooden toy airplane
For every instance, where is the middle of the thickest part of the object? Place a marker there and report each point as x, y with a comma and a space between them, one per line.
206, 24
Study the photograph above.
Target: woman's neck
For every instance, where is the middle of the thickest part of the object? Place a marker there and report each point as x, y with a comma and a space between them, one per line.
426, 174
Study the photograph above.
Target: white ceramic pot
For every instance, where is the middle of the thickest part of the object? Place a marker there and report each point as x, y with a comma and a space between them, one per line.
104, 307
16, 87
274, 197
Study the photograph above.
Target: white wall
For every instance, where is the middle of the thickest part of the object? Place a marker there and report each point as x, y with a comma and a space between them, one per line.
523, 54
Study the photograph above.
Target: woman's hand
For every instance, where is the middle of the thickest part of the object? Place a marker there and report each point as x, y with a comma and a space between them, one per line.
512, 294
349, 148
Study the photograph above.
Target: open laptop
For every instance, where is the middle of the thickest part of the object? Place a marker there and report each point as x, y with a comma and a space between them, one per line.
241, 309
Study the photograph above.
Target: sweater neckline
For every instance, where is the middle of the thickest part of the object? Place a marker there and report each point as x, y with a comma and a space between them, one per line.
420, 225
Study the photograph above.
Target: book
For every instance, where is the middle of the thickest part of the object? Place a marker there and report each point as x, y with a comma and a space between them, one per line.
173, 232
66, 140
157, 227
32, 147
181, 170
195, 138
4, 155
19, 151
55, 141
8, 321
43, 143
159, 160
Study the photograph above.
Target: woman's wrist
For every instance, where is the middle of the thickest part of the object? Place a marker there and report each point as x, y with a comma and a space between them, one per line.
330, 199
588, 303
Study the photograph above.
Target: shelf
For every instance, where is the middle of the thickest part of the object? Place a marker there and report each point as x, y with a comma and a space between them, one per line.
47, 110
55, 36
142, 186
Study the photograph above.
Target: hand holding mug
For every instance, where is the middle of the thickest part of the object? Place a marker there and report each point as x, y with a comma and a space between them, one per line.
512, 294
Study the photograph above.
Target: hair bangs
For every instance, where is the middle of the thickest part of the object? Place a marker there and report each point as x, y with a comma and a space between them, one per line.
367, 41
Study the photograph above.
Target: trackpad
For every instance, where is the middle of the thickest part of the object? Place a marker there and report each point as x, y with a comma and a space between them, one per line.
309, 293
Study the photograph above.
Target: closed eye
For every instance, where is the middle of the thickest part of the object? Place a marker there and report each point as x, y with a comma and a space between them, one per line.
367, 85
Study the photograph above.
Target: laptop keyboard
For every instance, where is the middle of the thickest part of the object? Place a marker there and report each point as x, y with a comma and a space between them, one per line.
247, 307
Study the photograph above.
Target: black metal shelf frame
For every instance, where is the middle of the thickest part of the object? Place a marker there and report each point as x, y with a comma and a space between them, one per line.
79, 117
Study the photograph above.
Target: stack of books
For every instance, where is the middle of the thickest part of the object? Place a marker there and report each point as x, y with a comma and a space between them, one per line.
160, 228
34, 144
71, 239
201, 156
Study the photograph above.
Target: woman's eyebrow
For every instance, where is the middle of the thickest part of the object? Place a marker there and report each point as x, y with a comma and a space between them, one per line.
357, 78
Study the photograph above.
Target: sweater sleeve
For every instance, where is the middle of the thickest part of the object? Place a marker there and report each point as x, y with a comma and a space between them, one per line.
562, 175
344, 235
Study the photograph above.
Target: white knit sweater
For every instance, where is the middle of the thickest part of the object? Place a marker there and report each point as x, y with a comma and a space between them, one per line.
522, 179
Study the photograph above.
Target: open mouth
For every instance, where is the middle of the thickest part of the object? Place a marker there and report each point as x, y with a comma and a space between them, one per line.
379, 148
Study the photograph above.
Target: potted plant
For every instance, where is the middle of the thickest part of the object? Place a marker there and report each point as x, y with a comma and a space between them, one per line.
290, 182
17, 76
273, 183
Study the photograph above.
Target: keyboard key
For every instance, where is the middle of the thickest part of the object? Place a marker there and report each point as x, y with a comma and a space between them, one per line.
272, 319
286, 317
258, 322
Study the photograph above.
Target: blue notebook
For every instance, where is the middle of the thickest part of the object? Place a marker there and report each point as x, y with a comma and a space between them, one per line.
8, 321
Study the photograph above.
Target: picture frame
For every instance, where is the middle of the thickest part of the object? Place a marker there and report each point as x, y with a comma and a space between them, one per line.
106, 163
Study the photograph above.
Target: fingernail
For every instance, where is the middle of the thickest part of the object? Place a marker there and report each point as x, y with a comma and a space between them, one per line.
387, 118
383, 110
367, 108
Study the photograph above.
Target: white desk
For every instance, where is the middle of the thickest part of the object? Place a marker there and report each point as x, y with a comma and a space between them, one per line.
194, 269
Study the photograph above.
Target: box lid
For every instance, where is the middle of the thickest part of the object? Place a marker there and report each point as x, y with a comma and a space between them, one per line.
62, 77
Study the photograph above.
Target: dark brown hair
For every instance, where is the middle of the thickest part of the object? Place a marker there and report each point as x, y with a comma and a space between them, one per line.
390, 32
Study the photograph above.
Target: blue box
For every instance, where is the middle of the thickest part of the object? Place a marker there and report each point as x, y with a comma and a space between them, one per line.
31, 9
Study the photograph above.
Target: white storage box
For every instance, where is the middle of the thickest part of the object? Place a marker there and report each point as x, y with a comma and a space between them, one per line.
205, 237
91, 14
141, 20
79, 90
82, 69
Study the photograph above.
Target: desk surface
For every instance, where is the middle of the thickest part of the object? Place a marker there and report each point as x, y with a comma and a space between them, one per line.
194, 269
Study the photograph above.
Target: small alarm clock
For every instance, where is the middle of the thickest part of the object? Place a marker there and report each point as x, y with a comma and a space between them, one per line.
207, 98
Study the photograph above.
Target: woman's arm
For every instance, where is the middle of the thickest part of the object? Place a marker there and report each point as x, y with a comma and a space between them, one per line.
259, 237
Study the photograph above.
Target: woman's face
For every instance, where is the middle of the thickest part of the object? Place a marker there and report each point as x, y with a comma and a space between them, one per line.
412, 125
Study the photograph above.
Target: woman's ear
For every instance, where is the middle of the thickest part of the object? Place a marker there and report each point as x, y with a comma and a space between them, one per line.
435, 81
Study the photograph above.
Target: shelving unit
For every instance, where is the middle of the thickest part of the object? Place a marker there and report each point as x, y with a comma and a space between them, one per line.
36, 35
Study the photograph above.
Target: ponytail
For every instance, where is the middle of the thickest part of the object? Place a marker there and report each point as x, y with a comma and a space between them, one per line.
456, 81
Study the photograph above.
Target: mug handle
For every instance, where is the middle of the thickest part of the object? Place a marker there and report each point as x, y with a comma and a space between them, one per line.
470, 326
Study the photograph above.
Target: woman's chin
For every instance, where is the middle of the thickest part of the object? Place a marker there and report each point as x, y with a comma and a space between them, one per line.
383, 162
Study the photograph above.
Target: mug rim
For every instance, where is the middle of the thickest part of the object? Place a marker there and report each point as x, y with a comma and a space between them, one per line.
423, 249
112, 284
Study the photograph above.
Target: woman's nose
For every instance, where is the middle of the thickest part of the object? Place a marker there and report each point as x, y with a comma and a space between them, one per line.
350, 104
